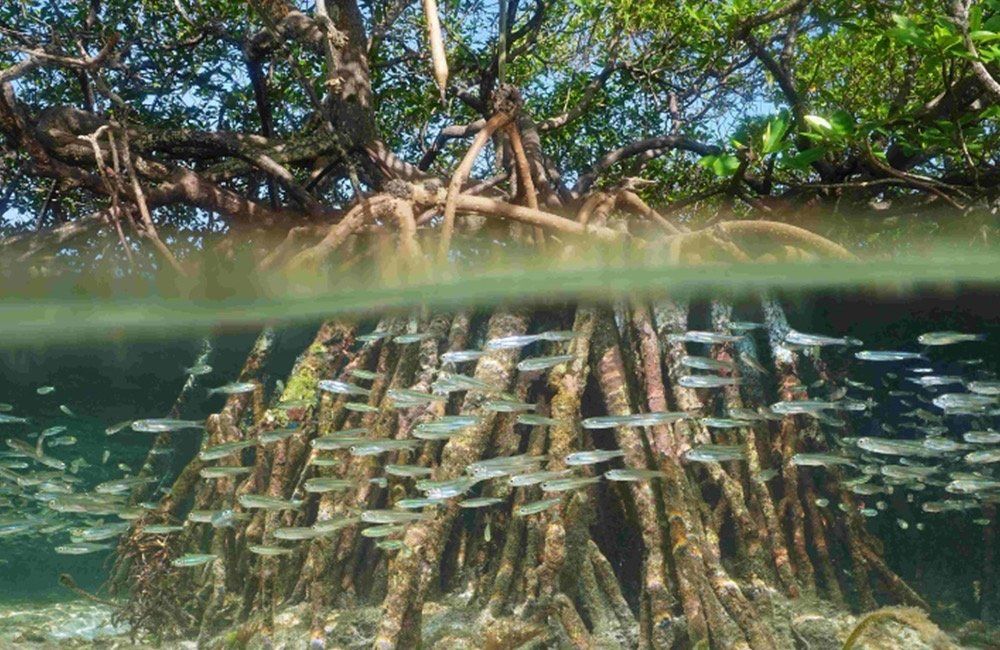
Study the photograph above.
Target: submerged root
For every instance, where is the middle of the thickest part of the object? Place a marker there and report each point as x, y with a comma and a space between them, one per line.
908, 616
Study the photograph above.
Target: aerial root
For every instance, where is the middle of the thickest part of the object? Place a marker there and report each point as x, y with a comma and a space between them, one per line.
462, 173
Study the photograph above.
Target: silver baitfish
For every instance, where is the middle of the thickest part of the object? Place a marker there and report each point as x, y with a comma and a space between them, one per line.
296, 533
225, 471
896, 447
634, 420
342, 387
964, 402
567, 484
269, 551
696, 336
715, 453
983, 457
480, 502
161, 425
376, 447
391, 516
707, 381
813, 340
407, 471
983, 387
452, 382
406, 339
225, 449
407, 398
982, 437
508, 406
591, 457
262, 502
534, 478
633, 474
705, 363
820, 460
535, 420
723, 423
535, 507
323, 484
461, 356
887, 355
234, 388
948, 338
544, 363
193, 559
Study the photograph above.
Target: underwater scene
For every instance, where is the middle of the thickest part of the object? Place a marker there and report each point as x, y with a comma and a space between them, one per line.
811, 456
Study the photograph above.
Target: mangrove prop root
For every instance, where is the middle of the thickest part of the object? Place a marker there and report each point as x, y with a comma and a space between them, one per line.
713, 541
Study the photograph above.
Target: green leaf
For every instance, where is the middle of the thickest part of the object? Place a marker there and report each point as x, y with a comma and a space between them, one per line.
774, 132
842, 122
804, 158
818, 122
723, 165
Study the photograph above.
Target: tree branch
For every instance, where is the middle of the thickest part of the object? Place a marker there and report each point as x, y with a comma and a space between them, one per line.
665, 143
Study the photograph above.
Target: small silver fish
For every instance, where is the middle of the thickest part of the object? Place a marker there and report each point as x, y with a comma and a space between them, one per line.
405, 339
164, 424
982, 437
45, 390
234, 388
342, 387
225, 449
591, 457
319, 485
813, 340
269, 551
508, 406
820, 460
710, 453
887, 355
193, 559
198, 370
535, 420
706, 363
391, 516
633, 420
296, 533
964, 402
534, 478
948, 338
695, 336
543, 363
371, 338
407, 471
461, 356
481, 502
262, 502
707, 381
982, 387
633, 474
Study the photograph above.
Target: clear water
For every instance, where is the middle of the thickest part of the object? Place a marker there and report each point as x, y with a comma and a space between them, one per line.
107, 379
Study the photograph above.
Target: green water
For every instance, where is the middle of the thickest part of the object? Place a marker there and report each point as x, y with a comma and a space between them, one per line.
109, 375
